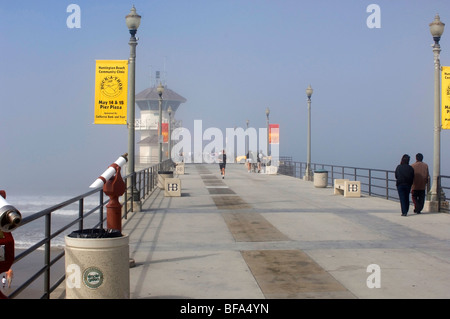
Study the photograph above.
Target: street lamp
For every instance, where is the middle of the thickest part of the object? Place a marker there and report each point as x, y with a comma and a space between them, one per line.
436, 29
267, 117
169, 151
160, 90
246, 139
133, 21
309, 175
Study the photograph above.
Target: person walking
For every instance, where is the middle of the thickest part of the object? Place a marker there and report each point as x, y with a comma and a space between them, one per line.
421, 179
3, 282
9, 277
404, 175
222, 163
260, 155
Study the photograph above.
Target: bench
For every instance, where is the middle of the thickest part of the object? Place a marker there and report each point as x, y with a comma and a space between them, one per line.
347, 188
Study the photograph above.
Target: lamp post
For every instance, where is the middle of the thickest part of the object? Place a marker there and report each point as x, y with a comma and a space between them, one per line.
267, 120
160, 90
246, 139
436, 29
169, 151
133, 21
309, 175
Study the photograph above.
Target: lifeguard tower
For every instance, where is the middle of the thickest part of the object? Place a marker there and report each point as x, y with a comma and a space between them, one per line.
147, 124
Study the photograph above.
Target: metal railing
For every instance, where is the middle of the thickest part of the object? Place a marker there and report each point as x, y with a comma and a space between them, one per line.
374, 182
146, 181
443, 185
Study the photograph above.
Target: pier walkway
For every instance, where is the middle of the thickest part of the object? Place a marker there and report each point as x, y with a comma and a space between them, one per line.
273, 236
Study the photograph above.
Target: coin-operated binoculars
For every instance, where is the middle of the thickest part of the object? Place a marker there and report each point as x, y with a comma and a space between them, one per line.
10, 219
114, 187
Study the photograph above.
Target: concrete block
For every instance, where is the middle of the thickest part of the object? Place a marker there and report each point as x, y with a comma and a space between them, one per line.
172, 187
179, 169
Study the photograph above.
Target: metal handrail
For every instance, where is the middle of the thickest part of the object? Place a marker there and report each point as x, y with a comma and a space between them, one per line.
145, 184
374, 182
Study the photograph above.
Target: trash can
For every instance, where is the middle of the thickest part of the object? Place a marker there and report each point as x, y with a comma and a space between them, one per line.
97, 265
162, 175
320, 178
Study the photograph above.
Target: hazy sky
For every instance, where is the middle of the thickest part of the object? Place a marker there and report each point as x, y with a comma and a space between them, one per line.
373, 87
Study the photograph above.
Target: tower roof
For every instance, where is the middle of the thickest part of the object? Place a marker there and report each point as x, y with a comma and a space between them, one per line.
151, 94
149, 99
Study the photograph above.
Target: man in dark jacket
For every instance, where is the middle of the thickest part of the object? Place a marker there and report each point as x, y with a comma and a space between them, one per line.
404, 174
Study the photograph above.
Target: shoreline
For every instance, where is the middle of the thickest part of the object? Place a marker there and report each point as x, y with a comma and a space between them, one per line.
27, 267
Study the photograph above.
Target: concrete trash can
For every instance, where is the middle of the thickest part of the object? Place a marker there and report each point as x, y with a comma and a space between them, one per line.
320, 178
97, 265
162, 175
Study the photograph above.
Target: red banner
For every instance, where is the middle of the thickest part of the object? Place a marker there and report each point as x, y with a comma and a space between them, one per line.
165, 132
274, 133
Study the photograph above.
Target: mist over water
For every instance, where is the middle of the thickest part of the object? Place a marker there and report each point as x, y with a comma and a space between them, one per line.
27, 235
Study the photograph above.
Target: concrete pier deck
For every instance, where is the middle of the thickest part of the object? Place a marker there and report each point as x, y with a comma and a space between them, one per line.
258, 236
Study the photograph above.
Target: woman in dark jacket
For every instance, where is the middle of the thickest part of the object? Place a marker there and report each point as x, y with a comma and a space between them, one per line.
404, 174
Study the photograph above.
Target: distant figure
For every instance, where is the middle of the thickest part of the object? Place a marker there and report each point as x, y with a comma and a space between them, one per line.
222, 163
249, 162
3, 282
258, 159
9, 277
421, 179
404, 174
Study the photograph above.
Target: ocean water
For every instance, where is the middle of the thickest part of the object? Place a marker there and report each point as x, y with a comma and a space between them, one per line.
27, 235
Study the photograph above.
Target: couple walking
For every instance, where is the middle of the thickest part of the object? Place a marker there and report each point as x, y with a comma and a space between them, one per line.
412, 179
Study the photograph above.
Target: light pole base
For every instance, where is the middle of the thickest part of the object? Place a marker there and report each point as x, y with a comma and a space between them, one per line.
432, 206
308, 178
137, 206
134, 197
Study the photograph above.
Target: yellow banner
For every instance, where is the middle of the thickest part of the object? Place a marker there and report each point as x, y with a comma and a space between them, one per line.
111, 91
445, 98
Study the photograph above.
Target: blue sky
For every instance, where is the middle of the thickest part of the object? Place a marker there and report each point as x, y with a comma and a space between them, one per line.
373, 87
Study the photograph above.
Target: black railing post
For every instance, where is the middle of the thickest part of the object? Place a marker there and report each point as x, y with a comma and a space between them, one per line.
332, 175
48, 225
125, 200
101, 209
80, 214
439, 191
387, 185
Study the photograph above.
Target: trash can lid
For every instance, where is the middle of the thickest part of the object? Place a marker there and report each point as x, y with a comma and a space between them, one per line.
95, 233
320, 171
165, 172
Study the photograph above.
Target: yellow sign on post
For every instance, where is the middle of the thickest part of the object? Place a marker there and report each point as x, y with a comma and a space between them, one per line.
445, 98
111, 91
